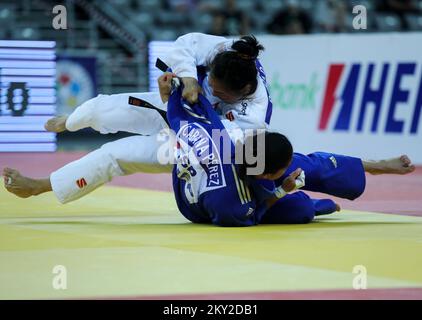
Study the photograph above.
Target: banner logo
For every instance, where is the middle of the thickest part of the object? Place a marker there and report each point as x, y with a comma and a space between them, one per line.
341, 101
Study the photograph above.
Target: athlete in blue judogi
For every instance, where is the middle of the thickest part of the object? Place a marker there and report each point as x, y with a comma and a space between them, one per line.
210, 190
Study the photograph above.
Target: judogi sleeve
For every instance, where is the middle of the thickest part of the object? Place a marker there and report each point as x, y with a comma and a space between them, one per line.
191, 50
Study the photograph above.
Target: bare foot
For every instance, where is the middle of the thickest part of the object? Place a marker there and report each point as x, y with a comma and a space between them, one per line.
24, 187
56, 124
400, 165
338, 208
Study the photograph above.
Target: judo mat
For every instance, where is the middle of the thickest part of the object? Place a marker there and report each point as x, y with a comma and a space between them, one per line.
130, 242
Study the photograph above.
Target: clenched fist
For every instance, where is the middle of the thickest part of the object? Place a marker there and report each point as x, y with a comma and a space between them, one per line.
164, 85
191, 89
289, 184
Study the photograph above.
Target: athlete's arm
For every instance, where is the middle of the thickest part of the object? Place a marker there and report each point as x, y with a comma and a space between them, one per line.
188, 52
294, 181
192, 50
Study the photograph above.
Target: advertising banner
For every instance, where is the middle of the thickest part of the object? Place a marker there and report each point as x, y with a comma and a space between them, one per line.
355, 94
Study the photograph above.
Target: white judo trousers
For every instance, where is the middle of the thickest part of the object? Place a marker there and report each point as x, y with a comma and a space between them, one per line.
110, 114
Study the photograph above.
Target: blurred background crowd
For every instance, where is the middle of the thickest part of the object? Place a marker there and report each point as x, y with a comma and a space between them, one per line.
117, 32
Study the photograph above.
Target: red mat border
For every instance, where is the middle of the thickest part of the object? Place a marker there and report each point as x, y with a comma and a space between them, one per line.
368, 294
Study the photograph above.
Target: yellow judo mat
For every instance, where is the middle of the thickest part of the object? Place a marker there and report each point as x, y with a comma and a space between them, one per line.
121, 242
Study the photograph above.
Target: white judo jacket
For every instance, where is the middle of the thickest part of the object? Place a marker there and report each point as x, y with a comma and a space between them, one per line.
198, 49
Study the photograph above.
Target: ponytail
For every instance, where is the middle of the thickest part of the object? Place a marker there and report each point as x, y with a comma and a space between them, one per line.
248, 47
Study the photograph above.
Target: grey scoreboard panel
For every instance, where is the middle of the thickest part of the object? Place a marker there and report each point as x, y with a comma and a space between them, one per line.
27, 95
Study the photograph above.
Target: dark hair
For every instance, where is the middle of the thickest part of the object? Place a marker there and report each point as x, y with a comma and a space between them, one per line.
278, 152
236, 69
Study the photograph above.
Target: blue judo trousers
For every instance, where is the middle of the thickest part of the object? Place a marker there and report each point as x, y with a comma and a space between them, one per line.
232, 202
337, 175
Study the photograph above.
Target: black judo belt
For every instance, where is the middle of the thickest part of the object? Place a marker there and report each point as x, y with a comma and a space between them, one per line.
144, 104
160, 64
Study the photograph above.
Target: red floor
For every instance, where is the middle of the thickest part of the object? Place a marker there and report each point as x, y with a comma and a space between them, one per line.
389, 193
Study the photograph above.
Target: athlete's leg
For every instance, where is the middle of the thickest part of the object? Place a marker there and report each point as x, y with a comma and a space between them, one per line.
343, 176
78, 178
329, 173
297, 208
113, 113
